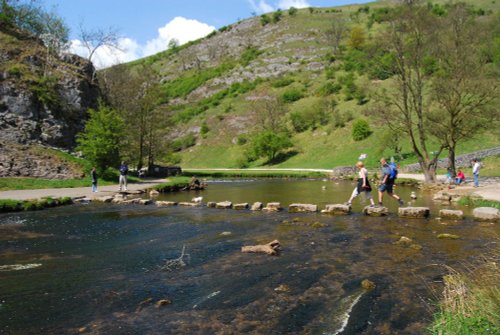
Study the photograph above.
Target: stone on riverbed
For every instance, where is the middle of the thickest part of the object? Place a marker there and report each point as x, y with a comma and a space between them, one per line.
413, 212
273, 207
154, 193
442, 196
211, 204
300, 208
376, 211
166, 203
241, 206
451, 214
486, 214
257, 206
337, 209
224, 204
106, 198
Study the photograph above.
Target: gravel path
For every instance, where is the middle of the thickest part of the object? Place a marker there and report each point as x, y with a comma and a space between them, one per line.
75, 192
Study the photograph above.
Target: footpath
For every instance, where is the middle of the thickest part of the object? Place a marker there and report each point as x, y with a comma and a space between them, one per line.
77, 191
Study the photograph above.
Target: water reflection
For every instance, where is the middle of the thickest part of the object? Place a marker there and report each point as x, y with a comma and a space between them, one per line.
100, 271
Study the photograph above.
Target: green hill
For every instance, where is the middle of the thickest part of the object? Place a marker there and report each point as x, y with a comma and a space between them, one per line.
215, 93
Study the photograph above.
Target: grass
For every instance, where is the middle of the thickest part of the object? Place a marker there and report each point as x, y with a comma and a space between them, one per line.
9, 205
173, 184
477, 202
470, 303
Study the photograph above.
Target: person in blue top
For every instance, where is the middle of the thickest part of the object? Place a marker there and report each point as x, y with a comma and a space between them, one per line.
389, 174
123, 176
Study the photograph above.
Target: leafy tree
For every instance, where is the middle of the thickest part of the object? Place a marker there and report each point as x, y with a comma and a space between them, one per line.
264, 19
360, 130
268, 144
357, 37
100, 141
292, 11
277, 16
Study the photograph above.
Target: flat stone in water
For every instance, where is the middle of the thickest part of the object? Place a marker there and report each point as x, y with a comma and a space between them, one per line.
257, 206
224, 204
300, 208
413, 212
451, 214
486, 214
337, 209
375, 211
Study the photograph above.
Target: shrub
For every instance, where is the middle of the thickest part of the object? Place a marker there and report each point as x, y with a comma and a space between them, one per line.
277, 16
292, 11
264, 20
329, 88
360, 130
292, 95
204, 129
282, 82
269, 143
183, 143
241, 140
249, 55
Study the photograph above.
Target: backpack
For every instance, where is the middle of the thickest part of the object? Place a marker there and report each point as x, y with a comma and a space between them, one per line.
393, 171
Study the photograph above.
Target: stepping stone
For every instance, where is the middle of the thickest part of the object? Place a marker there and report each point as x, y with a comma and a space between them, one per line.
376, 211
166, 203
451, 214
273, 207
241, 206
106, 198
189, 204
257, 206
413, 212
301, 208
337, 209
211, 204
224, 204
486, 214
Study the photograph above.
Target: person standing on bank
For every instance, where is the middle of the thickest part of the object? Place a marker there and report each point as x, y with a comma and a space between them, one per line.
363, 185
123, 176
93, 174
475, 171
387, 183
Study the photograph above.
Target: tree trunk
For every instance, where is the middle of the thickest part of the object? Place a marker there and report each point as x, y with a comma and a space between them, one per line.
451, 162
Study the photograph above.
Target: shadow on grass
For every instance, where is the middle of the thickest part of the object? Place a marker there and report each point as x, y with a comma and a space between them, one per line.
282, 157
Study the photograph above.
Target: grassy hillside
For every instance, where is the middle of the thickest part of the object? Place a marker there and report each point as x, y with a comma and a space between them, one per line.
211, 89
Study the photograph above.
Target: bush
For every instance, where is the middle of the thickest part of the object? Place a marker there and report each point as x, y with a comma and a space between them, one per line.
277, 16
329, 88
183, 143
360, 130
204, 129
282, 82
268, 144
249, 55
264, 20
292, 95
292, 11
241, 140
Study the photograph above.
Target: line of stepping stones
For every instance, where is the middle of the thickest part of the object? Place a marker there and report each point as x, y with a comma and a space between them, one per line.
480, 213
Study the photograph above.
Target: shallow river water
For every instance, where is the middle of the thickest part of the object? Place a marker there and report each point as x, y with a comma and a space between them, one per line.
96, 269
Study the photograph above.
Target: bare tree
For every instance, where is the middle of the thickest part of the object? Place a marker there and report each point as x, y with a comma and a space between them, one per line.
338, 29
98, 38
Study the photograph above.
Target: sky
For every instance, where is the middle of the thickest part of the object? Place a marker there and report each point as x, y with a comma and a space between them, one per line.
146, 26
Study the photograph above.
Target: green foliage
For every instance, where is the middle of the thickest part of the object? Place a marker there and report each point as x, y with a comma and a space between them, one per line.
172, 158
268, 144
292, 95
249, 55
355, 60
357, 37
183, 143
360, 130
173, 184
204, 129
329, 88
241, 140
477, 202
45, 91
9, 205
282, 82
292, 11
382, 66
380, 15
330, 72
101, 139
264, 20
277, 16
16, 70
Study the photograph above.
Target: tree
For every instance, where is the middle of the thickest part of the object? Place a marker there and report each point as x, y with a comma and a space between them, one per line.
338, 28
404, 108
101, 139
98, 38
360, 130
292, 11
357, 37
268, 144
463, 93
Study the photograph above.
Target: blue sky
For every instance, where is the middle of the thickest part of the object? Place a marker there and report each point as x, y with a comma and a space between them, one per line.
147, 25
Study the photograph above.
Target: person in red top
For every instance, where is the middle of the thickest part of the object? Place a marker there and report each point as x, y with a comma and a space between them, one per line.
460, 178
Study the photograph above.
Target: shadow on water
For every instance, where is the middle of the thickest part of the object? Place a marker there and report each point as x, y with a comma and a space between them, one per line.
99, 266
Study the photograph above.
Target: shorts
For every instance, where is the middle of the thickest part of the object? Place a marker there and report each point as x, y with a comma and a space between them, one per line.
386, 187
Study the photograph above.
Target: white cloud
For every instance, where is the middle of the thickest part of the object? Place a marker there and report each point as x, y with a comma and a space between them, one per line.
181, 29
285, 4
261, 7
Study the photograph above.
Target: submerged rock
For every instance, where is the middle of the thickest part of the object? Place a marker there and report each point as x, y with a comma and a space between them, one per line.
486, 214
163, 302
300, 208
106, 198
271, 248
154, 193
376, 211
282, 288
257, 206
404, 241
337, 209
211, 204
413, 212
368, 284
448, 236
451, 214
